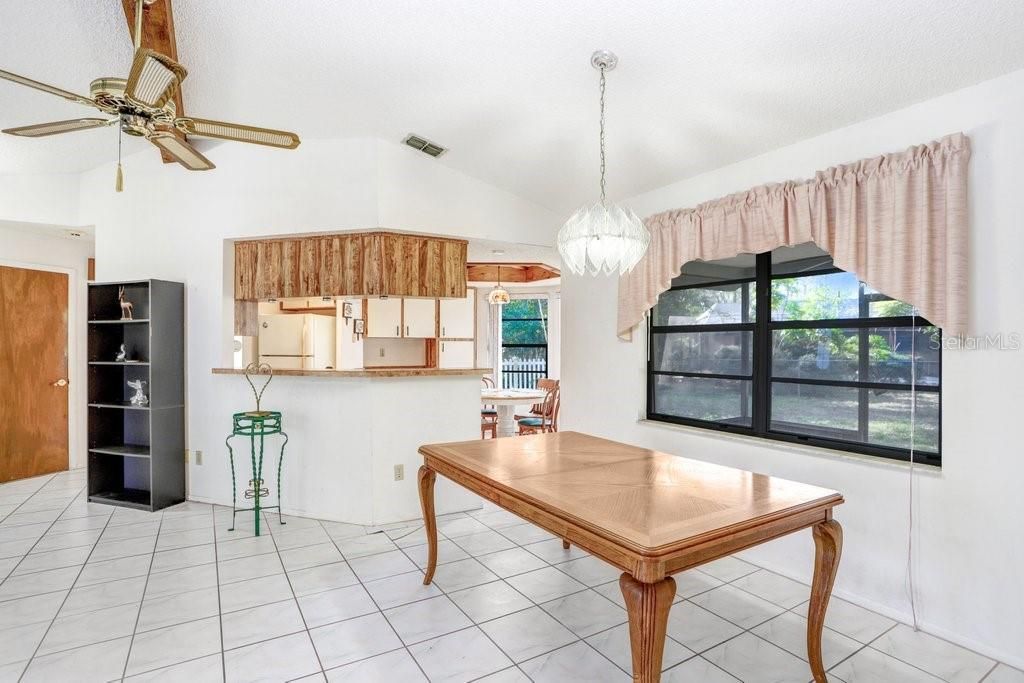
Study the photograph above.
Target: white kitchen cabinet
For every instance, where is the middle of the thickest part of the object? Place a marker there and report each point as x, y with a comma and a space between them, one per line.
420, 318
457, 317
384, 318
455, 354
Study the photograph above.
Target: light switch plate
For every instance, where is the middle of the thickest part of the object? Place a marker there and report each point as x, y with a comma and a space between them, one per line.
399, 472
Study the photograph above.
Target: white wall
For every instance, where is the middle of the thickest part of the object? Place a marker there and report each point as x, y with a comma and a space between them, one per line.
172, 224
969, 555
28, 246
50, 199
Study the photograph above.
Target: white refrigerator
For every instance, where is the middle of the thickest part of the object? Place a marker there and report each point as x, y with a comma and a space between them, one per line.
297, 341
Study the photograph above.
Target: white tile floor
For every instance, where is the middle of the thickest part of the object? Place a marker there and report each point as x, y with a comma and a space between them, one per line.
95, 593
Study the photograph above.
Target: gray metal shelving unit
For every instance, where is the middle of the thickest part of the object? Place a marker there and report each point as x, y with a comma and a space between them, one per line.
137, 453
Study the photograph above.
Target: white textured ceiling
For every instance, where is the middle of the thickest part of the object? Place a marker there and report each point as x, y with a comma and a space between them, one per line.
508, 87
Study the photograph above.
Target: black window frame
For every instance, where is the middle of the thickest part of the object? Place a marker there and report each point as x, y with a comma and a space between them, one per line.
761, 379
547, 359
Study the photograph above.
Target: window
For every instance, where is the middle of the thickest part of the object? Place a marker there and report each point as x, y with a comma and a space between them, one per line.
785, 346
524, 342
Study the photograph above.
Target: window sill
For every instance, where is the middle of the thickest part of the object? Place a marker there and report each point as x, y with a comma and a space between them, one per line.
786, 447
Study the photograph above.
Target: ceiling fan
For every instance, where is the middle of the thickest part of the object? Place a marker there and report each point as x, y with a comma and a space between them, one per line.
145, 106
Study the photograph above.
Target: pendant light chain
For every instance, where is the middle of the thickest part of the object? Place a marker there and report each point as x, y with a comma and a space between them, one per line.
602, 137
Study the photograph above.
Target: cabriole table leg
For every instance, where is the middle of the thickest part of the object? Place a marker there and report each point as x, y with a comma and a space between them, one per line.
828, 546
426, 484
648, 605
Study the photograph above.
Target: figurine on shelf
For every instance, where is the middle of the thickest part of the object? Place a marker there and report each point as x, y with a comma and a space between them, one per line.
126, 306
122, 355
139, 398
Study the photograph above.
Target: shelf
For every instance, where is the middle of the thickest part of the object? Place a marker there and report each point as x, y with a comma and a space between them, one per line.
131, 446
118, 322
144, 363
118, 404
129, 498
127, 450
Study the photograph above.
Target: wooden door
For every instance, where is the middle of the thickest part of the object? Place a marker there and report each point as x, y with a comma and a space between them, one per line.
34, 371
420, 317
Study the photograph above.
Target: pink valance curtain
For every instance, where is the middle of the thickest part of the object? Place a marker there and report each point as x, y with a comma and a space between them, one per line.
898, 221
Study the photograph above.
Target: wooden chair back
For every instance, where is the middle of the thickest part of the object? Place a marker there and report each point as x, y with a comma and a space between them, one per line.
544, 384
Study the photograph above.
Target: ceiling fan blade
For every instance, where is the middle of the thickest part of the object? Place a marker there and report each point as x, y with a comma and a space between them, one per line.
41, 130
237, 132
184, 153
154, 78
21, 80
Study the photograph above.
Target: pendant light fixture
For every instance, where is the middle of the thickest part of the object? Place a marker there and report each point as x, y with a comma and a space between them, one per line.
604, 237
499, 295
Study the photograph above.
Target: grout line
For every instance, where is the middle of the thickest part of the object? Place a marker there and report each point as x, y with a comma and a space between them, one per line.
220, 608
375, 604
49, 478
71, 587
295, 598
145, 587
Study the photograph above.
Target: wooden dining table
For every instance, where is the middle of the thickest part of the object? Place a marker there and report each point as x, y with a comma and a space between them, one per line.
650, 514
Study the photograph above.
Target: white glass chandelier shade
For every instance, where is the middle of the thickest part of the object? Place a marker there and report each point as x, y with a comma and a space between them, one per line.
603, 238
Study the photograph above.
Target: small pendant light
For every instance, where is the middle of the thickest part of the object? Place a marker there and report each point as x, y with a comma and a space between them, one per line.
499, 295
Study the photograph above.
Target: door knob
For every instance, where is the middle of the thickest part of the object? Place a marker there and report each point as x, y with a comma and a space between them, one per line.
60, 383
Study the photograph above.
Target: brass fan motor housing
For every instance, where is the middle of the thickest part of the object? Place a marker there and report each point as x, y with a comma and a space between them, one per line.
108, 94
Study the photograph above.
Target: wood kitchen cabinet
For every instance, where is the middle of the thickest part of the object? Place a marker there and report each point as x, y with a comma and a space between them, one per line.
458, 317
352, 265
455, 354
384, 318
420, 317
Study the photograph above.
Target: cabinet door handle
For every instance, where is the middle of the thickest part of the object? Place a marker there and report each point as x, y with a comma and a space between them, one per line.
442, 331
406, 330
398, 331
442, 347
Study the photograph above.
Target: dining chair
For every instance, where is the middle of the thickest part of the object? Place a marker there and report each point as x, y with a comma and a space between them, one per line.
547, 421
488, 414
544, 384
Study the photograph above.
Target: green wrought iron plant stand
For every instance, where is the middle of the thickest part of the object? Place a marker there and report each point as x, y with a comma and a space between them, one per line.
257, 425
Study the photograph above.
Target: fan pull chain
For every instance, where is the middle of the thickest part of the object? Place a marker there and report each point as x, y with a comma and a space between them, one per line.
119, 181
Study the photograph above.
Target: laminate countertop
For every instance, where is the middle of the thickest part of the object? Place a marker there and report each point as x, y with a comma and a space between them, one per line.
370, 372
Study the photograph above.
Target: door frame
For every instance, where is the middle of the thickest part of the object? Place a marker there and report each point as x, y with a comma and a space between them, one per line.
76, 342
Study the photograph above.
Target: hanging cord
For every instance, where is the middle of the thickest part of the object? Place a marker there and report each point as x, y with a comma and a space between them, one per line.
602, 136
119, 178
911, 588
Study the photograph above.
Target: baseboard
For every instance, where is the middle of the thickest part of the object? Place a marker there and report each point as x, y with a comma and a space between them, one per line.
1012, 658
298, 512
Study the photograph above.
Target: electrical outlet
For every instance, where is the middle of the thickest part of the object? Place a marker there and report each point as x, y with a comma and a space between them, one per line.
382, 352
399, 472
199, 457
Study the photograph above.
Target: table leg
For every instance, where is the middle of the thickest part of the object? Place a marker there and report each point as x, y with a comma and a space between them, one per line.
506, 421
648, 605
828, 546
426, 483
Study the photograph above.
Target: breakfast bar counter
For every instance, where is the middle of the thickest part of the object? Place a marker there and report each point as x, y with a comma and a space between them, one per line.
371, 372
352, 436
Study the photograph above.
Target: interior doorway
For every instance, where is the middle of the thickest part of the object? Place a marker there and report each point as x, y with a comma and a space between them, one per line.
33, 372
